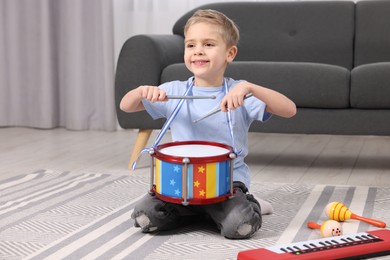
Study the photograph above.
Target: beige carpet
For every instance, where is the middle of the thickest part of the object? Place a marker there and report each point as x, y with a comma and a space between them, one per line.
75, 215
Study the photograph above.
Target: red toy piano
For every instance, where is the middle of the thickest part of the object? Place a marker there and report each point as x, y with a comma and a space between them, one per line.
356, 246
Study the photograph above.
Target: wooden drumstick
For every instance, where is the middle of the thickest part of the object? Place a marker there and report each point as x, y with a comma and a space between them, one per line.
190, 97
338, 211
215, 111
329, 228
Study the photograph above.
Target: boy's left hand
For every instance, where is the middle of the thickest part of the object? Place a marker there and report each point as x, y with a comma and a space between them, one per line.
235, 97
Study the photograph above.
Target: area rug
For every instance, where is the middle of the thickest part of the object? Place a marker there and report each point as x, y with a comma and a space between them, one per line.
86, 215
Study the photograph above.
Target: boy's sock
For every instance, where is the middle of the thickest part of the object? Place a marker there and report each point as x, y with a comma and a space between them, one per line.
266, 207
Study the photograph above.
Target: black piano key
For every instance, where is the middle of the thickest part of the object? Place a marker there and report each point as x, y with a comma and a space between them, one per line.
297, 248
289, 248
284, 250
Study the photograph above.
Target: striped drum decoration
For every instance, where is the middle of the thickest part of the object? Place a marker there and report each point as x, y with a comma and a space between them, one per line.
205, 167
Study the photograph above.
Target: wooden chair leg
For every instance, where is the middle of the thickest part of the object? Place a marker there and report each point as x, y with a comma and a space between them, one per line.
142, 138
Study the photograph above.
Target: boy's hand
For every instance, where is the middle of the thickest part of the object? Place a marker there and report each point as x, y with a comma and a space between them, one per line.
153, 93
235, 97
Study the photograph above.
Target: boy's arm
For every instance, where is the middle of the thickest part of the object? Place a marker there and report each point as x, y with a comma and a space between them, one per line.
131, 102
277, 103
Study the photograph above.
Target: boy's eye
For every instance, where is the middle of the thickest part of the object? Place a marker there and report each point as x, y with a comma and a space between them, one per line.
192, 45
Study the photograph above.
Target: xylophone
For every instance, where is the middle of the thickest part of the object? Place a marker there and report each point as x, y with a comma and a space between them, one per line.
354, 246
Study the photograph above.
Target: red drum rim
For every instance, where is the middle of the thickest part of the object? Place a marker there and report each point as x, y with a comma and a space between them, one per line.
193, 201
192, 160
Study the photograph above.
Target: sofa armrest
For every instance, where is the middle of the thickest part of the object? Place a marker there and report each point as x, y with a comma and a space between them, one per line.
141, 61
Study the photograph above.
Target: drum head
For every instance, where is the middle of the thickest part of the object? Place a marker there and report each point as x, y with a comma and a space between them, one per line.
196, 151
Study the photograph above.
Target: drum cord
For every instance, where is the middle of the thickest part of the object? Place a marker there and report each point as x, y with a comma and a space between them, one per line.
190, 84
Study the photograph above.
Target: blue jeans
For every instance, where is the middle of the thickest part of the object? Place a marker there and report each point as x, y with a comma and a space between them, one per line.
237, 217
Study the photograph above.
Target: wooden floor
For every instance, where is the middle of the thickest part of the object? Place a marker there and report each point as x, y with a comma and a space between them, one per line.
319, 159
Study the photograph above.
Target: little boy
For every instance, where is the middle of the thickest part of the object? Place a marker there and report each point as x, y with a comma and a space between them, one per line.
211, 41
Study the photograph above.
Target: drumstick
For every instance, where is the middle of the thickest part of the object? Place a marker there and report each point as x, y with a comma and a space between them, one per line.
190, 97
215, 111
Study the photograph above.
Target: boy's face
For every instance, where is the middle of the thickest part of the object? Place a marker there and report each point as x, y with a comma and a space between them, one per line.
206, 54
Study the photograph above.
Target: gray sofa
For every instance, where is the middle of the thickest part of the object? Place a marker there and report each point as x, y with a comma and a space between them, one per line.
332, 58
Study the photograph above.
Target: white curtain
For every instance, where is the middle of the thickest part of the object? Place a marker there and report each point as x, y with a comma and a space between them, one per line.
57, 64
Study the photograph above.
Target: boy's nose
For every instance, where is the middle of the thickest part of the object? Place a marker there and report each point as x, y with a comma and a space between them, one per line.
199, 51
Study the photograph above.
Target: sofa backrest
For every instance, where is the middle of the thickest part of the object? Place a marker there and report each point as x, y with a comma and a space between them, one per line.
306, 31
372, 42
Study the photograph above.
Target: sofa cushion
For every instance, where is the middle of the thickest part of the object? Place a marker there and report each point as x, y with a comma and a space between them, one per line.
329, 121
370, 86
372, 38
292, 31
307, 84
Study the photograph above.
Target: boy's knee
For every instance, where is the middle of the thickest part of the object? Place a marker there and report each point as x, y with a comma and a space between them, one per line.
243, 220
153, 214
150, 205
241, 223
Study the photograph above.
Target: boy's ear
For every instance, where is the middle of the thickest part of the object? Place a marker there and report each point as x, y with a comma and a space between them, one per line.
232, 52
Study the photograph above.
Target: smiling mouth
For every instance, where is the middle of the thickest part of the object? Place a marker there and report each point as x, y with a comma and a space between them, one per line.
199, 62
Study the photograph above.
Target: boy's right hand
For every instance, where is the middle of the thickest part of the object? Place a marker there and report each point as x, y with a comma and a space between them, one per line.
131, 102
153, 93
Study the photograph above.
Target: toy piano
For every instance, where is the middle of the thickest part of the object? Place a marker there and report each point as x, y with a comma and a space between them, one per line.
355, 246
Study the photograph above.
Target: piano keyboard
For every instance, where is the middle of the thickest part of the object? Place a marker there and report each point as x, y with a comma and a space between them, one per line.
325, 244
371, 243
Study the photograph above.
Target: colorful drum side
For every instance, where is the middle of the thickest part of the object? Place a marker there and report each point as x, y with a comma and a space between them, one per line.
204, 166
204, 181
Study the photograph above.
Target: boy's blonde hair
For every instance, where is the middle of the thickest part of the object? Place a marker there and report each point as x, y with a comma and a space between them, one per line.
229, 29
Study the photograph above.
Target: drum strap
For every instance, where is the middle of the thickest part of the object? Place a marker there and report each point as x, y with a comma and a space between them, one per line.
190, 84
229, 120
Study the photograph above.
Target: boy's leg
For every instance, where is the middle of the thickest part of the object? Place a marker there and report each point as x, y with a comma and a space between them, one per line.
152, 214
237, 217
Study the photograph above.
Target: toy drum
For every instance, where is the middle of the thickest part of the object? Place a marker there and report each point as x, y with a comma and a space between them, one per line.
192, 172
